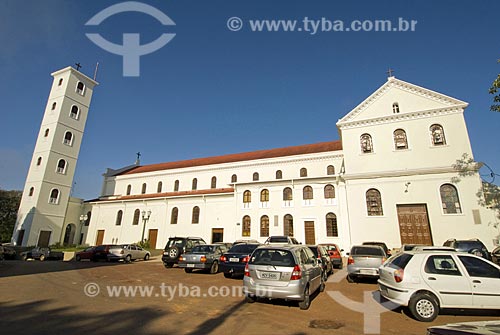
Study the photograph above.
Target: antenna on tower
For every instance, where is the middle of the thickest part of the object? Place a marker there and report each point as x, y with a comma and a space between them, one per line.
95, 71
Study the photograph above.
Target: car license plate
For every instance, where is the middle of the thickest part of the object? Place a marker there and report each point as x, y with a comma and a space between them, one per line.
190, 265
368, 272
232, 259
270, 275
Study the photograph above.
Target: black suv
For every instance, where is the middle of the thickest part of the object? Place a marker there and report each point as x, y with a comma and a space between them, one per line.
472, 246
176, 246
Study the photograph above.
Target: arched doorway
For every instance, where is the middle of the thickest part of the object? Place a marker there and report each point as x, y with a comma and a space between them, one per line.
69, 235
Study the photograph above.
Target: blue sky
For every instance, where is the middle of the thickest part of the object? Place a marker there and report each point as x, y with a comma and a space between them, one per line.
213, 91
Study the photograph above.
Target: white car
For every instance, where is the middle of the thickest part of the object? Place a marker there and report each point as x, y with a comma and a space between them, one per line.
427, 281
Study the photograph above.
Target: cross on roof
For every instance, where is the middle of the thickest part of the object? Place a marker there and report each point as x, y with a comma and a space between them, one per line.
78, 66
138, 155
389, 72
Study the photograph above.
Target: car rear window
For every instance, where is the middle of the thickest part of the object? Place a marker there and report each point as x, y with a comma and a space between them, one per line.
367, 251
202, 249
400, 262
278, 239
314, 250
174, 243
243, 248
273, 257
468, 245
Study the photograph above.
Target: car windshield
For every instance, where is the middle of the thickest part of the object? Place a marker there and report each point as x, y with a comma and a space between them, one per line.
380, 244
314, 250
330, 247
243, 248
200, 249
175, 243
367, 251
272, 257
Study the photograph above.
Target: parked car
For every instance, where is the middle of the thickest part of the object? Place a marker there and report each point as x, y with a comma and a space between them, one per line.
233, 261
41, 254
428, 281
203, 256
335, 254
466, 328
289, 272
380, 244
9, 252
127, 253
101, 252
326, 265
472, 246
1, 252
176, 246
87, 253
281, 240
495, 255
364, 261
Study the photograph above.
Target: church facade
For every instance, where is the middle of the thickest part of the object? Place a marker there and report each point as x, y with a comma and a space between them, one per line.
387, 179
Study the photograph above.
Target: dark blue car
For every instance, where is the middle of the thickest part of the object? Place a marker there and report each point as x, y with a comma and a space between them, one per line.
233, 262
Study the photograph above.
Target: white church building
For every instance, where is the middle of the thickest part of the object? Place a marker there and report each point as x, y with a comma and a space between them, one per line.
387, 179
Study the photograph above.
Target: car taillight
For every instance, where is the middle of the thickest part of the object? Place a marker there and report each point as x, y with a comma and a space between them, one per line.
398, 275
350, 260
247, 272
203, 259
181, 258
296, 273
223, 258
245, 259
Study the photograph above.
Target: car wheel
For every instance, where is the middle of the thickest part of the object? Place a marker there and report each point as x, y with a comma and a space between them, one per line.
322, 285
169, 265
173, 252
228, 275
78, 258
423, 307
250, 298
146, 257
304, 304
351, 279
128, 259
188, 270
214, 268
24, 257
42, 258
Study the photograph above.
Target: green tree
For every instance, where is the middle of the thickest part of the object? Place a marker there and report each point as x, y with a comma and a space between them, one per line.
9, 204
494, 90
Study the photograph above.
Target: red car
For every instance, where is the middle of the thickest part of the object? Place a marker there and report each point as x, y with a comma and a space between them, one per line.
335, 254
87, 253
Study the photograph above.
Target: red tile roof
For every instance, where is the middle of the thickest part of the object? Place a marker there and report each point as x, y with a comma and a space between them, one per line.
171, 194
246, 156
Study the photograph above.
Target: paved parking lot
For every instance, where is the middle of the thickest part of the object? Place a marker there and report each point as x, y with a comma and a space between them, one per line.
56, 297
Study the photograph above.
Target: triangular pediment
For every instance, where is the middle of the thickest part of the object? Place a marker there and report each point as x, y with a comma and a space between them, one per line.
410, 99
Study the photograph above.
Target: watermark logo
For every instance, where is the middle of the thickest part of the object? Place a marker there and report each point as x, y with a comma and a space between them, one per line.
131, 50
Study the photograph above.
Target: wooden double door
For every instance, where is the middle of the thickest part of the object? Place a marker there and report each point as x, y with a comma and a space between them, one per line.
414, 226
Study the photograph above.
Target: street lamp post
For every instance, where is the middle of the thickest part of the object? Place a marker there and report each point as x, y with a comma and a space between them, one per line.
83, 219
145, 218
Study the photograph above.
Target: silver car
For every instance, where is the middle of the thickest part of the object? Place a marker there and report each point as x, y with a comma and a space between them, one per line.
289, 272
364, 261
127, 253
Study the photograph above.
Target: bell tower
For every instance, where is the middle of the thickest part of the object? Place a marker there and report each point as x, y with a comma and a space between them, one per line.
47, 189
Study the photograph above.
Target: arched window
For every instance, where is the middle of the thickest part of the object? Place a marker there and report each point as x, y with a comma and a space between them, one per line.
144, 187
366, 143
129, 189
176, 186
400, 140
32, 190
245, 231
330, 170
61, 166
119, 216
287, 194
80, 88
331, 225
196, 215
264, 226
329, 192
374, 202
159, 187
279, 174
449, 199
247, 197
264, 195
194, 184
87, 222
54, 105
68, 138
75, 112
437, 135
255, 176
303, 172
60, 82
395, 108
307, 193
288, 225
39, 161
137, 214
174, 216
54, 196
213, 183
234, 178
46, 134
